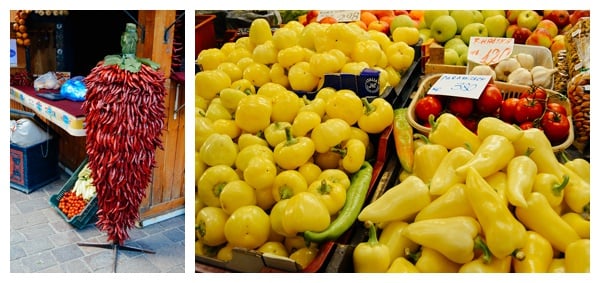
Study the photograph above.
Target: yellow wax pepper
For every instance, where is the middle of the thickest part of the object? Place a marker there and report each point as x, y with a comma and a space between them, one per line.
520, 174
537, 253
493, 155
445, 174
577, 192
402, 265
550, 186
427, 159
540, 217
454, 237
378, 115
448, 131
453, 202
581, 167
398, 203
535, 140
294, 151
391, 236
577, 256
494, 126
498, 182
429, 260
479, 265
580, 224
504, 234
557, 265
371, 256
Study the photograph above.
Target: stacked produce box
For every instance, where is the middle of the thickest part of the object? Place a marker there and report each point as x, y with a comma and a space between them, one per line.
296, 174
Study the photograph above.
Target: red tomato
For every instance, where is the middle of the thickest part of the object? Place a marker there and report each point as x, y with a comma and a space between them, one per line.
535, 92
556, 107
528, 109
460, 106
556, 126
471, 124
428, 105
527, 125
490, 100
508, 109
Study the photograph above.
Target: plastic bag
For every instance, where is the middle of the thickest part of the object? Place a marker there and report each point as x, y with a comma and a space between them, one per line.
46, 81
24, 133
74, 89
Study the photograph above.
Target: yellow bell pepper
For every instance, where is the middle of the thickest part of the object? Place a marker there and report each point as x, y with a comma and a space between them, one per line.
429, 260
353, 152
250, 152
304, 122
317, 105
211, 183
236, 194
216, 110
260, 174
225, 253
448, 131
287, 184
402, 265
210, 82
203, 129
577, 256
210, 223
276, 218
335, 176
535, 140
536, 254
493, 155
557, 265
331, 193
445, 175
540, 217
398, 245
427, 159
327, 160
520, 176
577, 192
345, 105
286, 105
253, 113
494, 126
247, 227
401, 202
580, 224
371, 256
400, 55
378, 115
274, 133
305, 212
244, 85
294, 151
454, 237
550, 186
246, 139
330, 133
274, 248
230, 97
304, 256
503, 233
218, 149
453, 202
227, 127
480, 265
201, 249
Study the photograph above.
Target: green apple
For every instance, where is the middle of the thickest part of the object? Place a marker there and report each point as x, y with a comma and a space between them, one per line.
496, 25
425, 34
549, 25
465, 17
489, 13
473, 29
513, 15
529, 19
451, 43
451, 57
402, 21
461, 48
430, 15
443, 28
463, 59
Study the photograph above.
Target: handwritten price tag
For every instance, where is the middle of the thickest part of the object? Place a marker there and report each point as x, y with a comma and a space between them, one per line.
489, 50
469, 86
340, 15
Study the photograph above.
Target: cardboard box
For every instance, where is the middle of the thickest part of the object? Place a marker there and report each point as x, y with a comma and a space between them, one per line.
34, 166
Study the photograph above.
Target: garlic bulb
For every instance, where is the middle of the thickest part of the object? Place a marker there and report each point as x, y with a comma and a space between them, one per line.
525, 60
542, 76
505, 67
520, 76
483, 70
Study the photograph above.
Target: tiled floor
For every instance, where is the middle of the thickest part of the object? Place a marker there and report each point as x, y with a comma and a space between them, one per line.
41, 241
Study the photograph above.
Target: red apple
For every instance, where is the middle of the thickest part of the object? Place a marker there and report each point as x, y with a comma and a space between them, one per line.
559, 17
311, 16
387, 19
383, 13
512, 15
379, 26
550, 26
577, 14
400, 12
558, 43
539, 37
520, 34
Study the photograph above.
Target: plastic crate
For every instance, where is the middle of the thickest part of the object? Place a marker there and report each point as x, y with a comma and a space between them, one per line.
87, 214
508, 90
205, 33
33, 167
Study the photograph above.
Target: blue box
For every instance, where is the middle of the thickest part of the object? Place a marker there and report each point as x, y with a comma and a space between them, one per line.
33, 167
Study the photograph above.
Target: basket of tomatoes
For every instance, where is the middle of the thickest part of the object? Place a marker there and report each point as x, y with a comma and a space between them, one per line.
520, 105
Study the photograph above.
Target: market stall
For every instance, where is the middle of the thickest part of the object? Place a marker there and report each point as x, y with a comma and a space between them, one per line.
392, 141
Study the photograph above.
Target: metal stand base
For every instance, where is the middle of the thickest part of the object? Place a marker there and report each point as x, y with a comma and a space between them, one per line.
115, 248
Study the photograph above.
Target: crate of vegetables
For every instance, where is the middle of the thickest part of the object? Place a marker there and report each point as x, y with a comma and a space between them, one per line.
76, 202
521, 105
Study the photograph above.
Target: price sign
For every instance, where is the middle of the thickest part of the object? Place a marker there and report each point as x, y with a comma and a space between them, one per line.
489, 50
469, 86
340, 15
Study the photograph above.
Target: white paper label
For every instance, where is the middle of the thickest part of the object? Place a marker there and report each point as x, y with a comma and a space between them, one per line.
340, 15
489, 50
469, 86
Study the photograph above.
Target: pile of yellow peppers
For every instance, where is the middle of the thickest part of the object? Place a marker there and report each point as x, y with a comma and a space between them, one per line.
271, 165
498, 201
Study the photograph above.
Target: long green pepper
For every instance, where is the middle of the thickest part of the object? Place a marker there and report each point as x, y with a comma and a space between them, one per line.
356, 195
